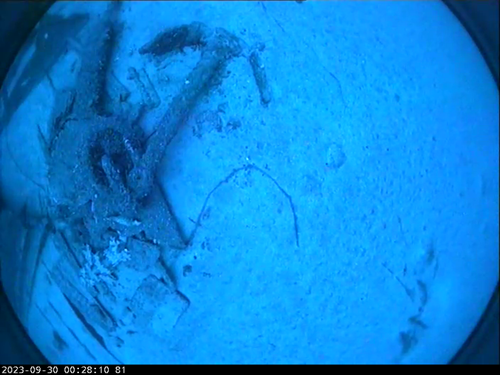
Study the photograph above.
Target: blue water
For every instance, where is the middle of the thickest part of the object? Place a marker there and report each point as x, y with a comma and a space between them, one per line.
333, 187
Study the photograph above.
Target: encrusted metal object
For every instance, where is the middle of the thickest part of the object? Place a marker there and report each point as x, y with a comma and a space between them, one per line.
105, 205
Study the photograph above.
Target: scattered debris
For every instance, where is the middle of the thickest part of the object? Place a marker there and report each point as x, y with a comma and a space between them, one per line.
124, 221
233, 124
260, 77
99, 267
206, 121
146, 88
187, 269
160, 304
143, 255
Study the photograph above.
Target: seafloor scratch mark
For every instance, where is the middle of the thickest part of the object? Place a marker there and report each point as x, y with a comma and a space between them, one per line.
226, 180
416, 321
402, 231
409, 292
432, 257
424, 295
263, 5
337, 81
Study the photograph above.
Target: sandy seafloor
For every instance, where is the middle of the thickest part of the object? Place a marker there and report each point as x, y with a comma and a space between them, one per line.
383, 131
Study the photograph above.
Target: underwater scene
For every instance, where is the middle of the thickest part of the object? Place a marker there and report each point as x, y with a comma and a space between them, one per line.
249, 182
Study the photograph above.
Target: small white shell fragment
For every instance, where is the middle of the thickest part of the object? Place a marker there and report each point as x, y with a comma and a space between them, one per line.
124, 221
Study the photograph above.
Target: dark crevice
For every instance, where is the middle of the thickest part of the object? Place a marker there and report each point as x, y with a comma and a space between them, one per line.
73, 333
88, 326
